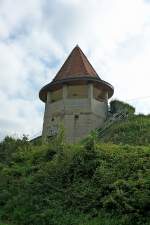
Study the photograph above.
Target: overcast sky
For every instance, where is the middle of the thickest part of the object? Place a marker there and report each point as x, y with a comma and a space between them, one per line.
36, 36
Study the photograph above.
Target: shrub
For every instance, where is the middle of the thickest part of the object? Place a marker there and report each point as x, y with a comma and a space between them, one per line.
57, 183
117, 106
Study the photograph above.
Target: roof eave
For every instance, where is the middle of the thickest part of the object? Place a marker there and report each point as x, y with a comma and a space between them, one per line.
54, 85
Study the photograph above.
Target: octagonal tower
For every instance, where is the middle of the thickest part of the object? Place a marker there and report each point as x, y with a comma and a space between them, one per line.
76, 98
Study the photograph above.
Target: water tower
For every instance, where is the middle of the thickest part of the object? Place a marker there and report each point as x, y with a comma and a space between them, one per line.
77, 98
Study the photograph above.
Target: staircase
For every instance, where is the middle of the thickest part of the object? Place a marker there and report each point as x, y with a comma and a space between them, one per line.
113, 119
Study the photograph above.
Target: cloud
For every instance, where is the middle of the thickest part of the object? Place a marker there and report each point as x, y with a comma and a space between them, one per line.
36, 36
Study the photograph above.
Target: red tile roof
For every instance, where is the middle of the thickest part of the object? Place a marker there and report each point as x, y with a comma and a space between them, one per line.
76, 70
76, 65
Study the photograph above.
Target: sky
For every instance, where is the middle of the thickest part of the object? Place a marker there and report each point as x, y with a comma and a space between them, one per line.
36, 36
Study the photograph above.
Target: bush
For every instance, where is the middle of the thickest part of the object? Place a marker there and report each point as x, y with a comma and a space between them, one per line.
119, 106
86, 183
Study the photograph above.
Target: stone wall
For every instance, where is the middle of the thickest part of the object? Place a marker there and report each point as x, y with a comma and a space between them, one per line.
78, 115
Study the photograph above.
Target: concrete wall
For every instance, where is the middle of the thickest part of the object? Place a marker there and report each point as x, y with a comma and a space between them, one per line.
77, 91
78, 115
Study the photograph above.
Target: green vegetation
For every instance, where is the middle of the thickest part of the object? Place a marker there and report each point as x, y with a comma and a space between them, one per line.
116, 106
134, 130
89, 183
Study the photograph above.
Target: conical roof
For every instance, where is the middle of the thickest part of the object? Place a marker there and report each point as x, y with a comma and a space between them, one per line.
76, 70
76, 65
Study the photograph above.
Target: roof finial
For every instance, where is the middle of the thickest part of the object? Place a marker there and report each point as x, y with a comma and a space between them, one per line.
77, 46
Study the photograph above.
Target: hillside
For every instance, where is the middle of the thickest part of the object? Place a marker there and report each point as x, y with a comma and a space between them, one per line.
133, 130
128, 129
84, 184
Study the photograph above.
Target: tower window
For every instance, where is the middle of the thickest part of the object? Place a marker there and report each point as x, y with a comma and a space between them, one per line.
76, 116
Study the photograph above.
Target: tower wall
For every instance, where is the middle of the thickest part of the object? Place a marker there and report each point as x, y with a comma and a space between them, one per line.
78, 111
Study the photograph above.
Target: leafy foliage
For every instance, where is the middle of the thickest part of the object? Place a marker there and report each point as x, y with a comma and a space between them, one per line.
116, 106
82, 184
9, 146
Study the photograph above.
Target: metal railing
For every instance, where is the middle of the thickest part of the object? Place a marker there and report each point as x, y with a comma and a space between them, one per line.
113, 119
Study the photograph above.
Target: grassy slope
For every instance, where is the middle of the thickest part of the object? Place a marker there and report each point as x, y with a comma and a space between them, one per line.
90, 184
134, 130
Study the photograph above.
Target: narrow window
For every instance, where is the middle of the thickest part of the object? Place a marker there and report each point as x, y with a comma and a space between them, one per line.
76, 117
